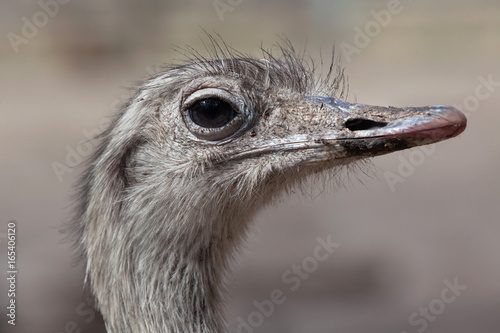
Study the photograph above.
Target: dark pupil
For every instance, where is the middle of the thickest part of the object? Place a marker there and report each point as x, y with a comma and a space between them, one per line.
211, 113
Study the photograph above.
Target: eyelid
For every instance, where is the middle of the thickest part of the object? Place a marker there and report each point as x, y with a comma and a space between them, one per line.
211, 93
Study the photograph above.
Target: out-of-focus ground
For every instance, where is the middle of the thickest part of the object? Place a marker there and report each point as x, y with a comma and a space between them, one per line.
397, 245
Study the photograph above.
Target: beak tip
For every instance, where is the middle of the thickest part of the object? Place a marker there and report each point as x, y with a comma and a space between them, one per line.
454, 121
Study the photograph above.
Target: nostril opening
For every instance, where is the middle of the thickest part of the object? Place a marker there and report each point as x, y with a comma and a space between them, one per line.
360, 124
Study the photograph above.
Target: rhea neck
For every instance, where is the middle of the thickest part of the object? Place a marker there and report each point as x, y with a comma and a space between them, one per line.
167, 282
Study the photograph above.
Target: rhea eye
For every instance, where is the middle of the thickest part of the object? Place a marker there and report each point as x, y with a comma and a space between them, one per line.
211, 113
216, 115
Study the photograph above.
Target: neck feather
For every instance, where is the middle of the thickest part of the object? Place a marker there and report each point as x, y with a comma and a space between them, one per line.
161, 283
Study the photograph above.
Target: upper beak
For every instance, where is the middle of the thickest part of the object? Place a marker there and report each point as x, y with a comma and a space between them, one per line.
375, 130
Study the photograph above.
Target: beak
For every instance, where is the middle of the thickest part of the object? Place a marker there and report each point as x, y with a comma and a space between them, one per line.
329, 130
374, 130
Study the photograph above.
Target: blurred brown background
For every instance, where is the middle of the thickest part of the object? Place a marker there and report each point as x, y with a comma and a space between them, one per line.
399, 243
